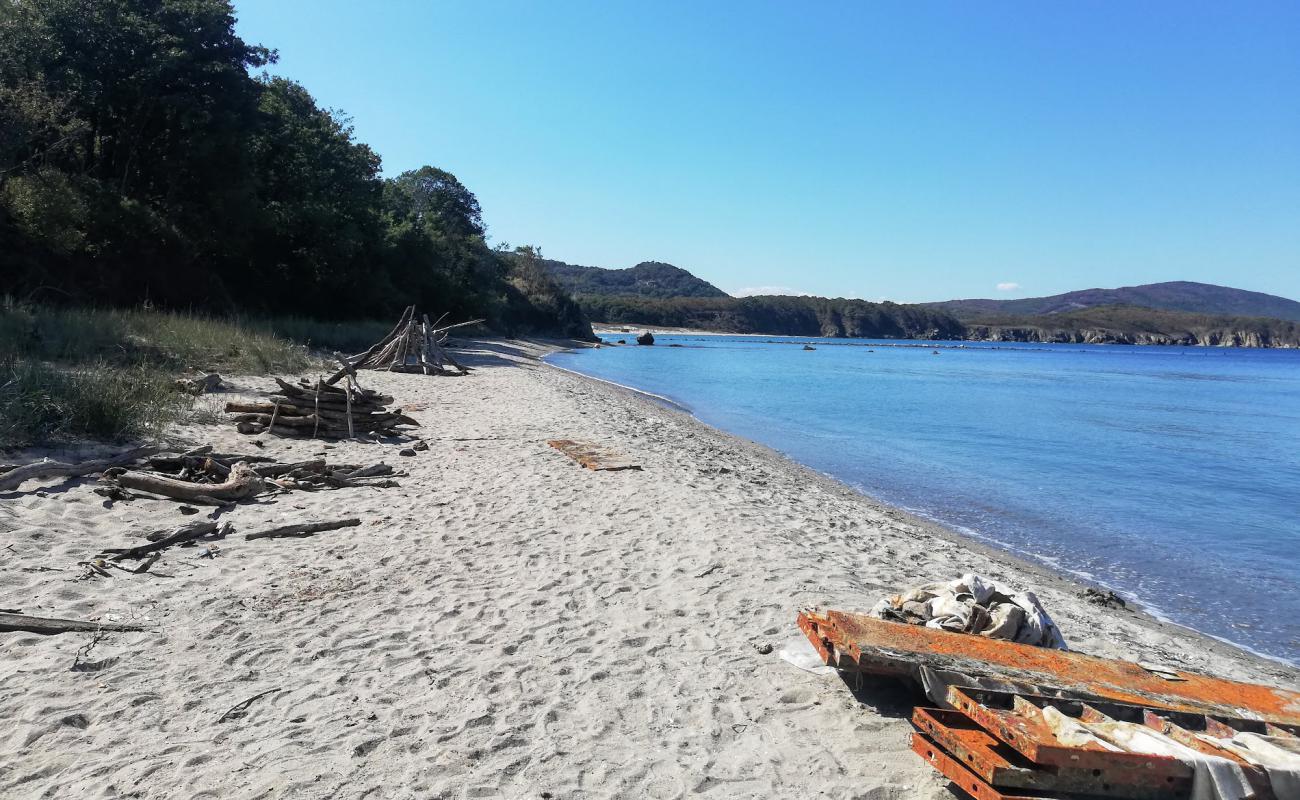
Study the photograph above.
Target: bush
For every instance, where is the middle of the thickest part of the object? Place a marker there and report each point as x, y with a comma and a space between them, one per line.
40, 402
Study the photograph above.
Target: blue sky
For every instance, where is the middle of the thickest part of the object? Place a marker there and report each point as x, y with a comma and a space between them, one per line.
903, 151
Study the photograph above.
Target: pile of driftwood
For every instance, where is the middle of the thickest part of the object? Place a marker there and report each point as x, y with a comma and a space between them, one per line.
413, 345
320, 410
203, 477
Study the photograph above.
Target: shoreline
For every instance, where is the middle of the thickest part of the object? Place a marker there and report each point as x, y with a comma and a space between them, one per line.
1026, 563
502, 623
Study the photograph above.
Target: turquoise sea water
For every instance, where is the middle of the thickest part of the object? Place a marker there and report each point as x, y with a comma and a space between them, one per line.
1169, 474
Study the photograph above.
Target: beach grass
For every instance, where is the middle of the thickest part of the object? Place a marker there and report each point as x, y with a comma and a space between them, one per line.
72, 373
41, 402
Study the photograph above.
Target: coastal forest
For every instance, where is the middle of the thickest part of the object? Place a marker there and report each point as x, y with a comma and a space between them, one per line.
147, 158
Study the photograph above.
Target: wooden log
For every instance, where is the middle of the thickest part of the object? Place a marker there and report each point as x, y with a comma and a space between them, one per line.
365, 472
276, 470
359, 405
48, 469
374, 348
302, 529
242, 482
48, 626
185, 533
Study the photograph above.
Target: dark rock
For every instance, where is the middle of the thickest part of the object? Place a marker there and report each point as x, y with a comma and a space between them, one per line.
420, 446
764, 648
646, 338
1104, 598
406, 451
809, 347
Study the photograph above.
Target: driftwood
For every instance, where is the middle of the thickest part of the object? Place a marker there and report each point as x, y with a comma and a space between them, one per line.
302, 529
243, 482
48, 469
186, 533
319, 410
48, 626
238, 710
276, 470
413, 345
350, 364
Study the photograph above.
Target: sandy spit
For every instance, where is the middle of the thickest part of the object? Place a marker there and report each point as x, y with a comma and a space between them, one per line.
504, 624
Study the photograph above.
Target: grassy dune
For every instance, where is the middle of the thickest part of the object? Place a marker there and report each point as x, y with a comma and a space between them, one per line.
109, 373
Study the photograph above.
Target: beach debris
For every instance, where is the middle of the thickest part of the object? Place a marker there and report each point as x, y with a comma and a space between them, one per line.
1104, 598
646, 339
594, 456
203, 477
203, 384
240, 709
304, 529
864, 644
1014, 720
974, 604
48, 626
413, 345
161, 540
240, 482
320, 410
13, 478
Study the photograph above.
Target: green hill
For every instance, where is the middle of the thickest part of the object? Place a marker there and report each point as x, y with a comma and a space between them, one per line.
1200, 298
647, 279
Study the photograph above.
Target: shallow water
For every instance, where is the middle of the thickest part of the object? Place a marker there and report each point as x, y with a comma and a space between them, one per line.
1169, 474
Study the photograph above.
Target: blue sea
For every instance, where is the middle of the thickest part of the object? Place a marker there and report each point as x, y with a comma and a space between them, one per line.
1171, 475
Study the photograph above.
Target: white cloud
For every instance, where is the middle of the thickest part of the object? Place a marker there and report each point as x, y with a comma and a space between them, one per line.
750, 291
1008, 286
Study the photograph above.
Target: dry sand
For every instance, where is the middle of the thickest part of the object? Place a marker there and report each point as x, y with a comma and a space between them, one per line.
504, 624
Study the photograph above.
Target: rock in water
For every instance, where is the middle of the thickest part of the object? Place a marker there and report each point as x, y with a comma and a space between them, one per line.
646, 338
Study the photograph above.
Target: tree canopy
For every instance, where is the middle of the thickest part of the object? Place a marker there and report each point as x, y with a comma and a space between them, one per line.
142, 160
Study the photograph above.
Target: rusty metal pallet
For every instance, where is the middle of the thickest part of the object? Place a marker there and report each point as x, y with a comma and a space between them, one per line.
1016, 719
1000, 743
1001, 766
862, 644
968, 781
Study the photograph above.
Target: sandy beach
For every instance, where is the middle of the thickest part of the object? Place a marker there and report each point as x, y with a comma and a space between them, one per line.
503, 624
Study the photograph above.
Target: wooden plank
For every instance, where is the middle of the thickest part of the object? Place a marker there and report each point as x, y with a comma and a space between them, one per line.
593, 456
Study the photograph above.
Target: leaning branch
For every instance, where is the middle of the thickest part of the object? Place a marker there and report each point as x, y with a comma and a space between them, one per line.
48, 626
304, 529
48, 469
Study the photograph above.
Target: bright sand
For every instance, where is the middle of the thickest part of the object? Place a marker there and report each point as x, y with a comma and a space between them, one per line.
504, 624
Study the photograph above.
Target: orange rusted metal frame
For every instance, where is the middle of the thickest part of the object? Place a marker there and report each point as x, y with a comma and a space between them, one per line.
1029, 735
869, 645
593, 457
969, 782
1000, 766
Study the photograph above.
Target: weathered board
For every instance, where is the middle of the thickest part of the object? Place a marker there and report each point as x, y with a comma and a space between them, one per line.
593, 456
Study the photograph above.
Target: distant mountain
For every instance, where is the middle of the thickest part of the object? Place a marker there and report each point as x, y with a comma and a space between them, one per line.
1134, 325
778, 315
647, 279
1200, 298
